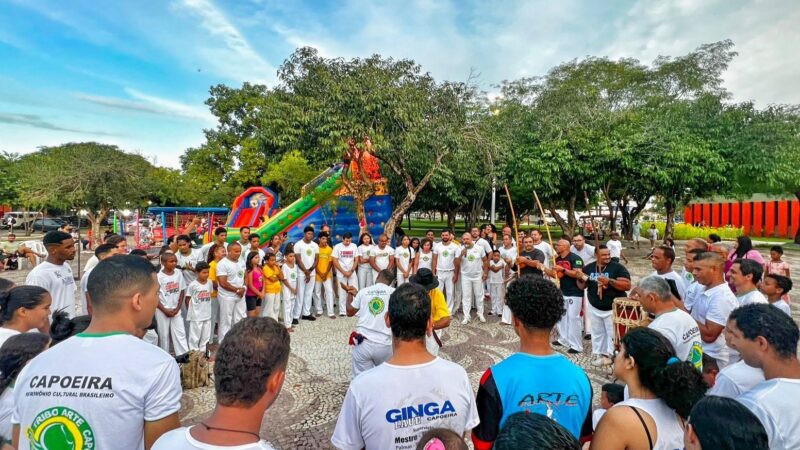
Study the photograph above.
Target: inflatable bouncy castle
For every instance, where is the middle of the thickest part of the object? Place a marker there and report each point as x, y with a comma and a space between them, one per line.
325, 200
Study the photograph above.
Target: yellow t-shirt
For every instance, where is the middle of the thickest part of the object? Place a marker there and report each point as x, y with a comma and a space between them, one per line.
272, 287
325, 260
438, 305
212, 275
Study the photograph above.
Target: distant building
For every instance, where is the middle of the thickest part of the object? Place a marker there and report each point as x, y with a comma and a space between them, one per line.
760, 215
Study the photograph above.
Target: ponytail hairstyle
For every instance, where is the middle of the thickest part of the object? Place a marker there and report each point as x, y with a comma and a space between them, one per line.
28, 297
676, 382
16, 352
62, 327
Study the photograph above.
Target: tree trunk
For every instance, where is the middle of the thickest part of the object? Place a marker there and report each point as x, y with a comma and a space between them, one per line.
670, 207
612, 213
451, 219
411, 190
629, 216
94, 223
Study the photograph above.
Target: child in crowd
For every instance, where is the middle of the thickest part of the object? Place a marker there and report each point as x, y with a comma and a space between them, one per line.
289, 270
441, 439
272, 286
776, 288
255, 246
612, 393
710, 370
776, 265
653, 235
497, 269
198, 304
172, 289
254, 280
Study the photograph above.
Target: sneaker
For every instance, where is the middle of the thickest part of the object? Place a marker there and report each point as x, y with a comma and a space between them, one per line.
343, 314
465, 321
587, 337
481, 318
309, 317
557, 344
490, 313
295, 322
572, 351
332, 316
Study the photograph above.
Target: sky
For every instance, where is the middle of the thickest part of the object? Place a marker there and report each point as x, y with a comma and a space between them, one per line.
136, 73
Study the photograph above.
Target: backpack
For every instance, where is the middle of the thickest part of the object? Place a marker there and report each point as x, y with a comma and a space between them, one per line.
195, 370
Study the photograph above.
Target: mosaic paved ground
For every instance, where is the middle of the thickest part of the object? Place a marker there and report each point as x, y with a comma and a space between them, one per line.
319, 368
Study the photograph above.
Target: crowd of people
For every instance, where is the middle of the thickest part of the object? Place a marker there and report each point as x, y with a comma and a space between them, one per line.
720, 350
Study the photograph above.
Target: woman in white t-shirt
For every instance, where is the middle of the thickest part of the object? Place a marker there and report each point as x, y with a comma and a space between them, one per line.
424, 258
365, 251
404, 258
14, 355
662, 389
22, 309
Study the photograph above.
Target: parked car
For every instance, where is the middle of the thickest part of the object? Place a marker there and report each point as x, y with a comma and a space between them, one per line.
18, 219
47, 224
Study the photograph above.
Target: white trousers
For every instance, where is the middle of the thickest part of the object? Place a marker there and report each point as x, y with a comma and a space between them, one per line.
602, 332
367, 355
277, 307
352, 280
365, 276
268, 308
199, 334
214, 314
171, 328
151, 337
569, 327
587, 321
496, 293
305, 292
471, 289
446, 284
231, 311
401, 278
318, 287
289, 302
431, 345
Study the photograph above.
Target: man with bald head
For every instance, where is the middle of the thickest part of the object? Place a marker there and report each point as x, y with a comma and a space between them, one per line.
712, 308
568, 270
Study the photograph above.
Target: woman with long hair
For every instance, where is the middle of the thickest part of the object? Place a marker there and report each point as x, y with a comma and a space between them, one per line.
22, 309
14, 355
662, 388
424, 257
365, 251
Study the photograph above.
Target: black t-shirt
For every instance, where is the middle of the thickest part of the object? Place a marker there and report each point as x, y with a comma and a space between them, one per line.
569, 285
535, 254
612, 270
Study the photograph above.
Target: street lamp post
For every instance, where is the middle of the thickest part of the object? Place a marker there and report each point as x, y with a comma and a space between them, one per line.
494, 194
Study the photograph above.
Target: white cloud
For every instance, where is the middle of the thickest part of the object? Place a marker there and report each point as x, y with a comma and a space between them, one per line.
236, 57
150, 104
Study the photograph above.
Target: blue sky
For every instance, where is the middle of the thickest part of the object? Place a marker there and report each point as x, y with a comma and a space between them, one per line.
136, 73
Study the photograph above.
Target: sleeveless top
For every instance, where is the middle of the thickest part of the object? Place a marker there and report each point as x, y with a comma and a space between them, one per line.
258, 283
425, 260
668, 426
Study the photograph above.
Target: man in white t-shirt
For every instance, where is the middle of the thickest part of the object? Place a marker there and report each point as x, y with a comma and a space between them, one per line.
582, 249
344, 257
443, 264
692, 245
475, 232
103, 251
187, 258
615, 247
55, 273
661, 259
103, 388
230, 294
220, 238
693, 289
675, 324
382, 256
307, 252
713, 306
418, 391
767, 339
244, 242
372, 340
249, 371
745, 274
544, 247
473, 265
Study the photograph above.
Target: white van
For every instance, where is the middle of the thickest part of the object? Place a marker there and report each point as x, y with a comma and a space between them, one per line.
18, 219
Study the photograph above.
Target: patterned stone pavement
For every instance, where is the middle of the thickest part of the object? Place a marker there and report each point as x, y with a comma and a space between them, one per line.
304, 415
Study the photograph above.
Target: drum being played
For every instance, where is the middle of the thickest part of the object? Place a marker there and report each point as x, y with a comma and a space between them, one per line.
626, 314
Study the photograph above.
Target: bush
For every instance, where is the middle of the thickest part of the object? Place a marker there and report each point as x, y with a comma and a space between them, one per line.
684, 231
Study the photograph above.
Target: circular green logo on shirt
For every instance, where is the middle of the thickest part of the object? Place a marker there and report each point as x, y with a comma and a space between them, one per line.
60, 428
308, 252
293, 275
425, 258
471, 258
445, 253
375, 306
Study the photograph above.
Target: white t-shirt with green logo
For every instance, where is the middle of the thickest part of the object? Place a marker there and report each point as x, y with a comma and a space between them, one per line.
382, 256
306, 252
404, 256
372, 304
365, 251
445, 255
95, 391
234, 270
472, 262
425, 260
682, 331
200, 303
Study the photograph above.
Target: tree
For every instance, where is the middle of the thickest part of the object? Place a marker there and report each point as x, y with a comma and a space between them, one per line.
289, 175
88, 175
9, 179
